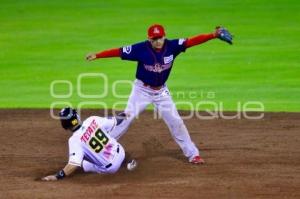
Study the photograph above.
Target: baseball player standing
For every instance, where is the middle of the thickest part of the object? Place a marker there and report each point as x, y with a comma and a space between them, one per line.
90, 146
155, 58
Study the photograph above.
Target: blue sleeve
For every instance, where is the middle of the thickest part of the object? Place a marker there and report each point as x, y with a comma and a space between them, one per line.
132, 52
178, 46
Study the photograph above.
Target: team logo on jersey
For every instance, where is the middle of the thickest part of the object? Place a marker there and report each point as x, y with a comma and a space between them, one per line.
168, 59
157, 68
181, 41
127, 49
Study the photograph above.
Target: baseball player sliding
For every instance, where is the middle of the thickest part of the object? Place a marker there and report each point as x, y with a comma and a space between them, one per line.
155, 58
90, 146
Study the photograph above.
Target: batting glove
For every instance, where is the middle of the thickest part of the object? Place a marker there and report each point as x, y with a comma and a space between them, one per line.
223, 34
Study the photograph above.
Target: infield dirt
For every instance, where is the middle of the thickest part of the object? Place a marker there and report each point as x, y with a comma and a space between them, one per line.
244, 159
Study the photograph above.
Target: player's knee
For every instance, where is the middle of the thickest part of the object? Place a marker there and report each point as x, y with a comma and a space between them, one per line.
114, 170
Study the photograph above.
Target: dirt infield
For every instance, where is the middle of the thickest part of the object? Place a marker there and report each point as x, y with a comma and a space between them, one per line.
244, 159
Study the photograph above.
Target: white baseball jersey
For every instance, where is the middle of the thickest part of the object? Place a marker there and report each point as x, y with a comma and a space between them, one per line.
91, 142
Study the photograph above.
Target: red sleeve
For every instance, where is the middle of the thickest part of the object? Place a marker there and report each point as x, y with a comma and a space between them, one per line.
199, 39
115, 52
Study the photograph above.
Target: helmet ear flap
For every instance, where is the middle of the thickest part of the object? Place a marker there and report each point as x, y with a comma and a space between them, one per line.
69, 118
65, 124
74, 122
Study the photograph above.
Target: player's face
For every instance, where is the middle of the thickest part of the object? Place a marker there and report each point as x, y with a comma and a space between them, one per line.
157, 43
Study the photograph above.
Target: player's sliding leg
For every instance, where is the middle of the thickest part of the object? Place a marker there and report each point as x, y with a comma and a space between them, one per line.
110, 168
137, 103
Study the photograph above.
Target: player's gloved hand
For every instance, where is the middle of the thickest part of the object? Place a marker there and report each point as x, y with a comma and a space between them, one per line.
223, 34
91, 57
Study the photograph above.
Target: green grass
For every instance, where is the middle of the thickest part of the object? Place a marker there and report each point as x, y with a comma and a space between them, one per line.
42, 41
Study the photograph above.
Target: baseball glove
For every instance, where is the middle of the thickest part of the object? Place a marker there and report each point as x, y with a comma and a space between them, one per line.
223, 34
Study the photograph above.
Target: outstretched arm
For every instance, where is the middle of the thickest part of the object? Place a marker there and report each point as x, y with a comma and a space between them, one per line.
68, 170
199, 39
220, 33
115, 52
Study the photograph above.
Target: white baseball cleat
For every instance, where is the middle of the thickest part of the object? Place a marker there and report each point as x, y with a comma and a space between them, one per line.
131, 165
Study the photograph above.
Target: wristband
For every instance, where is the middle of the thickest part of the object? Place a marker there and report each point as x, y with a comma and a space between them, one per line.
60, 175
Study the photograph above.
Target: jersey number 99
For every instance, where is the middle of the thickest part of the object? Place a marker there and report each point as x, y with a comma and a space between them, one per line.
98, 141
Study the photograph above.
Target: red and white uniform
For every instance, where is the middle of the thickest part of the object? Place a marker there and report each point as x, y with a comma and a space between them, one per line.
153, 69
92, 148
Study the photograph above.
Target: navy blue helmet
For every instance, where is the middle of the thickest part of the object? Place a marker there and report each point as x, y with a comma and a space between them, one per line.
69, 118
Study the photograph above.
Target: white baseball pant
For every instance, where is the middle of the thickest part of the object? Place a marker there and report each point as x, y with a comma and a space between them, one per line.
140, 97
114, 165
